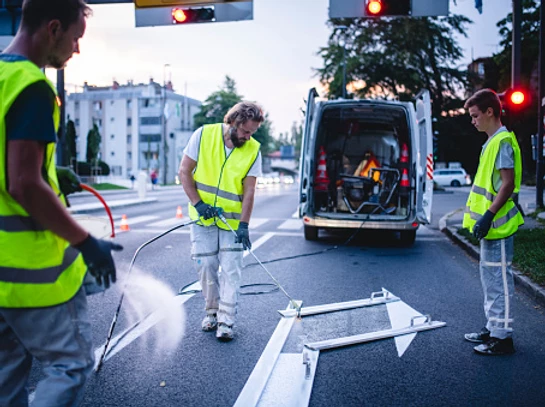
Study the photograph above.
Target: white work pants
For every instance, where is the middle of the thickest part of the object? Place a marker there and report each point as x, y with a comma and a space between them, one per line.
218, 260
498, 285
60, 338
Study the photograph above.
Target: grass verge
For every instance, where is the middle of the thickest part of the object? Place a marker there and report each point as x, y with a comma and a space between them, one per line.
106, 186
529, 257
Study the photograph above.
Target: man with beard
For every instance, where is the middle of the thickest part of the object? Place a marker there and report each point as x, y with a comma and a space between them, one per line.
218, 172
44, 253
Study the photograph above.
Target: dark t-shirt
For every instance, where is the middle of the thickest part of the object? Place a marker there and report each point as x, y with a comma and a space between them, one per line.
30, 117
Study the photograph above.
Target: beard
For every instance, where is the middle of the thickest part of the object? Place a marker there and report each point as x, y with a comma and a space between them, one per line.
234, 138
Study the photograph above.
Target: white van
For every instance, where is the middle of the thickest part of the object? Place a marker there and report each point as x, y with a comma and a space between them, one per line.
366, 164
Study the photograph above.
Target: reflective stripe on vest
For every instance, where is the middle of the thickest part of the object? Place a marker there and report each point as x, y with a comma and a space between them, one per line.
482, 195
37, 267
219, 180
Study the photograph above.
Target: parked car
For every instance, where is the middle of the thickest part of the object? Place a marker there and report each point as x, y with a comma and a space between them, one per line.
453, 177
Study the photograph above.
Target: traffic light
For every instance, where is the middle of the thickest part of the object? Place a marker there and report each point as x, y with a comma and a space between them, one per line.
192, 15
381, 8
513, 103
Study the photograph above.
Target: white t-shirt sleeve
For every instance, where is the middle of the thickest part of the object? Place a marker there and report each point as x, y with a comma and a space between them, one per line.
192, 148
255, 170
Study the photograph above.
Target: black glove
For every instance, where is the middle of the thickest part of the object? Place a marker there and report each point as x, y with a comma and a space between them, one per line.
243, 236
205, 210
69, 181
483, 225
98, 258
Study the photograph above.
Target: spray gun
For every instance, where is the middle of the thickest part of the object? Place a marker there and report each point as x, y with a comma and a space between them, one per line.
295, 304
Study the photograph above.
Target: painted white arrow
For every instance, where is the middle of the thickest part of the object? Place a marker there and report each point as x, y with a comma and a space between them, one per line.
400, 317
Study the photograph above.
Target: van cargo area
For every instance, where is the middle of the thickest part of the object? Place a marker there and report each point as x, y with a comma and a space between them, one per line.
362, 167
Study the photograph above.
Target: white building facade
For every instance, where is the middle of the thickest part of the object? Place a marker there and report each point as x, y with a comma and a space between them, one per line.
143, 127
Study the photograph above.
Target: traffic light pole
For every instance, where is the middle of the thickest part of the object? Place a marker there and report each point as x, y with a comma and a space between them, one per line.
540, 110
516, 44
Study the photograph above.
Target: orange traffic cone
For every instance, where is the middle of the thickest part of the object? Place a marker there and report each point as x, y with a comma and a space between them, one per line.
321, 180
404, 184
404, 154
179, 213
124, 224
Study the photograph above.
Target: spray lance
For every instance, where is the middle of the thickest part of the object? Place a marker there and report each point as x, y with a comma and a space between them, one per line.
295, 304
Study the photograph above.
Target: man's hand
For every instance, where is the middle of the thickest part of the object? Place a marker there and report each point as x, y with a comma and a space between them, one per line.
97, 255
205, 211
483, 225
69, 181
243, 236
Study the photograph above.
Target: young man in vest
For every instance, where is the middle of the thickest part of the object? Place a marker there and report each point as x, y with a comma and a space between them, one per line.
44, 253
218, 172
492, 216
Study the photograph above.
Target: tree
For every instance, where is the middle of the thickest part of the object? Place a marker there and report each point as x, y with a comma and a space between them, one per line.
70, 143
396, 57
93, 144
216, 106
528, 70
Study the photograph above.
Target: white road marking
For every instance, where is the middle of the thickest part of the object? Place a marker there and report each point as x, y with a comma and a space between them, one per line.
295, 214
291, 224
400, 317
257, 222
168, 222
139, 219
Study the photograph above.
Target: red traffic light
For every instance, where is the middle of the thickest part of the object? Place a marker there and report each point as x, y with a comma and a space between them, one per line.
193, 15
374, 7
517, 97
178, 16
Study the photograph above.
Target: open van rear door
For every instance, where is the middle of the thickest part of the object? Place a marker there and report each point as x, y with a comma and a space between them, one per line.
425, 157
305, 161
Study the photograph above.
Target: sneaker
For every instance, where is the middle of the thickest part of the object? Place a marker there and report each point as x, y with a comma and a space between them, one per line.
496, 347
209, 323
478, 337
224, 332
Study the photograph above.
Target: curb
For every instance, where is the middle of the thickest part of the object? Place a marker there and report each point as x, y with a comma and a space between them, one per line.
99, 207
534, 291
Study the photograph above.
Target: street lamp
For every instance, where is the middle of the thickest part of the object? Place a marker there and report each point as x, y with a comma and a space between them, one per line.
164, 123
343, 30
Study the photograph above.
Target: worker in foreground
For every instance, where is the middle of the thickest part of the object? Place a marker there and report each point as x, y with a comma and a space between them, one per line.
493, 217
218, 172
44, 253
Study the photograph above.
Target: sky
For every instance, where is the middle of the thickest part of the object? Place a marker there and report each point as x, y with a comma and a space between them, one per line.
271, 58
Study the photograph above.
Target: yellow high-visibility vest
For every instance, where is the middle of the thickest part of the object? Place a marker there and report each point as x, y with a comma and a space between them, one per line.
508, 218
219, 179
37, 267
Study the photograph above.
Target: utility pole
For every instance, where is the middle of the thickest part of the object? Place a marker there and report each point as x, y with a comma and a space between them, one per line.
164, 124
540, 110
343, 29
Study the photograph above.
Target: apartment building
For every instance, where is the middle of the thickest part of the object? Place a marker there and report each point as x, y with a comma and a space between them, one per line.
144, 127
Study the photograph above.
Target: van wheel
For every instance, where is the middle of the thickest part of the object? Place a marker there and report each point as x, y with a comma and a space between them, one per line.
455, 183
407, 237
311, 233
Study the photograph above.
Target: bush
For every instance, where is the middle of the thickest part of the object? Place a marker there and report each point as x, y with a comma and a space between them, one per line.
84, 168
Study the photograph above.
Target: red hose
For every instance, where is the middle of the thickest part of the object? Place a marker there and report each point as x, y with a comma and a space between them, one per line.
95, 193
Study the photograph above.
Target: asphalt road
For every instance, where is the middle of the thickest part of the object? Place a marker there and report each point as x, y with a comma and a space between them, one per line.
151, 368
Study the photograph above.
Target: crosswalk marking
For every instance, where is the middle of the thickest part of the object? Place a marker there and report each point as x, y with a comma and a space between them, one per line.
139, 219
291, 224
257, 222
168, 222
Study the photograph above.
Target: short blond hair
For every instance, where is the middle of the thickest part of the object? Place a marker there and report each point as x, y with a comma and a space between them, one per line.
243, 112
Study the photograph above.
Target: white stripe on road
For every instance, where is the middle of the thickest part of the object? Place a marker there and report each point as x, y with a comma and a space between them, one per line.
138, 219
291, 224
257, 222
168, 222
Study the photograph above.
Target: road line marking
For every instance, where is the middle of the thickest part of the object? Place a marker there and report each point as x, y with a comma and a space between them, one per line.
140, 219
291, 224
166, 222
400, 317
257, 222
